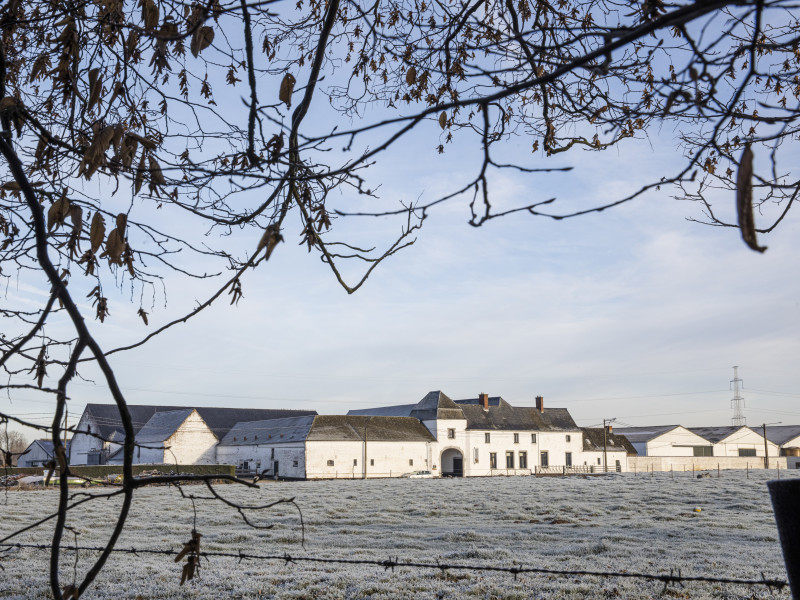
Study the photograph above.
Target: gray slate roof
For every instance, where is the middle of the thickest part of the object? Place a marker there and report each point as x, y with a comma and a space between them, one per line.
162, 425
271, 431
219, 420
399, 410
781, 434
376, 429
716, 434
644, 434
329, 428
435, 405
593, 441
46, 445
500, 416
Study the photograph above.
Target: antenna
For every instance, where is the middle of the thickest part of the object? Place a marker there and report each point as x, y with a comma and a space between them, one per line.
737, 403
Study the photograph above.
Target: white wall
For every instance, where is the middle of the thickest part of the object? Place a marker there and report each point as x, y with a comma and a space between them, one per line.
193, 443
261, 457
594, 459
83, 443
384, 459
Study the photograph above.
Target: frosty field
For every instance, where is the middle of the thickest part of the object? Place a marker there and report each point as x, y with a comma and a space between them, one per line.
614, 523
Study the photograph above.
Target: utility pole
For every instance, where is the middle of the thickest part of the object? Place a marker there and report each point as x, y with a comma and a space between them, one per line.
606, 422
737, 402
766, 446
365, 449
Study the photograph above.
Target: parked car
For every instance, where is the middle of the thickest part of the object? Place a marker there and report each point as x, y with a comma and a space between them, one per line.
419, 475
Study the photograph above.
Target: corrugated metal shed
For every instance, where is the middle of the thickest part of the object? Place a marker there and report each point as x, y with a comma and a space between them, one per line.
716, 434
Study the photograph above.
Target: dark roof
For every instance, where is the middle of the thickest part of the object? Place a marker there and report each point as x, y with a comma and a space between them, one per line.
377, 429
47, 446
493, 401
162, 425
331, 428
399, 410
271, 431
552, 419
435, 405
219, 420
644, 434
593, 441
781, 434
500, 416
716, 434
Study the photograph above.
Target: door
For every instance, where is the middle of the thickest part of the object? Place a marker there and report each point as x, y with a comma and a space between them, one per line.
458, 466
545, 460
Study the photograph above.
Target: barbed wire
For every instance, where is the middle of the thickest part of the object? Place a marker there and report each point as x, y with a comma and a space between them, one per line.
674, 576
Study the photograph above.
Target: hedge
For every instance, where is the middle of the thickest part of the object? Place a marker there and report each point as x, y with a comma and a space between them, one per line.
102, 471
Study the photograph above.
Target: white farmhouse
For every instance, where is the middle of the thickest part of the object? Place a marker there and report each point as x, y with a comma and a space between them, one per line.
329, 447
487, 436
735, 441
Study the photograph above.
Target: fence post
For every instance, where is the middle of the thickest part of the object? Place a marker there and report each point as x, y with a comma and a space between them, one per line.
785, 498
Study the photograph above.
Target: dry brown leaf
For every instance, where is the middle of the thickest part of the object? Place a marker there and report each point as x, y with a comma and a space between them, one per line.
95, 87
128, 151
150, 14
140, 170
271, 238
287, 87
7, 102
156, 176
58, 213
122, 223
411, 76
744, 200
143, 315
95, 155
443, 120
115, 246
201, 39
97, 231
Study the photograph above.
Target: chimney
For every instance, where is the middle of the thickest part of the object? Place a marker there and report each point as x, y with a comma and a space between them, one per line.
483, 399
540, 403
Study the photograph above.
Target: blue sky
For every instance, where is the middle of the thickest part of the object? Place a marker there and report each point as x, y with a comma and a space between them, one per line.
634, 313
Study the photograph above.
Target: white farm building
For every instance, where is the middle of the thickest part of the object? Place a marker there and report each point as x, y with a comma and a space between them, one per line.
329, 447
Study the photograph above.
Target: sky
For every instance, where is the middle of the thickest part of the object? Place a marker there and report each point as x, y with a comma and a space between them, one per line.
635, 314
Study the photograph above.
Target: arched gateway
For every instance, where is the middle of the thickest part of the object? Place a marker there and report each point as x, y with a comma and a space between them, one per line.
452, 462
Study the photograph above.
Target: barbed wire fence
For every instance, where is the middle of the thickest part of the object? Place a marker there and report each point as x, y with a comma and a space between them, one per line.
674, 577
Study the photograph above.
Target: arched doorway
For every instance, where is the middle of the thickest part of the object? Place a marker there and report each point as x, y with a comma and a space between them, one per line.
452, 462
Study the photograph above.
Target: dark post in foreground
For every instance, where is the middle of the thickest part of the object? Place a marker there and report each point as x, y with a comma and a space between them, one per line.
785, 501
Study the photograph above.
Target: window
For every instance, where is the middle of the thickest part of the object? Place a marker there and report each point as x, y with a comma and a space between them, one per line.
475, 455
705, 451
451, 434
598, 461
355, 462
747, 451
568, 459
523, 460
410, 462
533, 438
487, 437
545, 459
296, 463
330, 463
371, 462
492, 460
516, 438
569, 438
509, 460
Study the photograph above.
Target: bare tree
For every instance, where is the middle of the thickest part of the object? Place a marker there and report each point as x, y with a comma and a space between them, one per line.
118, 158
12, 445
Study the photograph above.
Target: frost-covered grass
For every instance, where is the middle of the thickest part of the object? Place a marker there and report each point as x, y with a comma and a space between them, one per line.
615, 523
